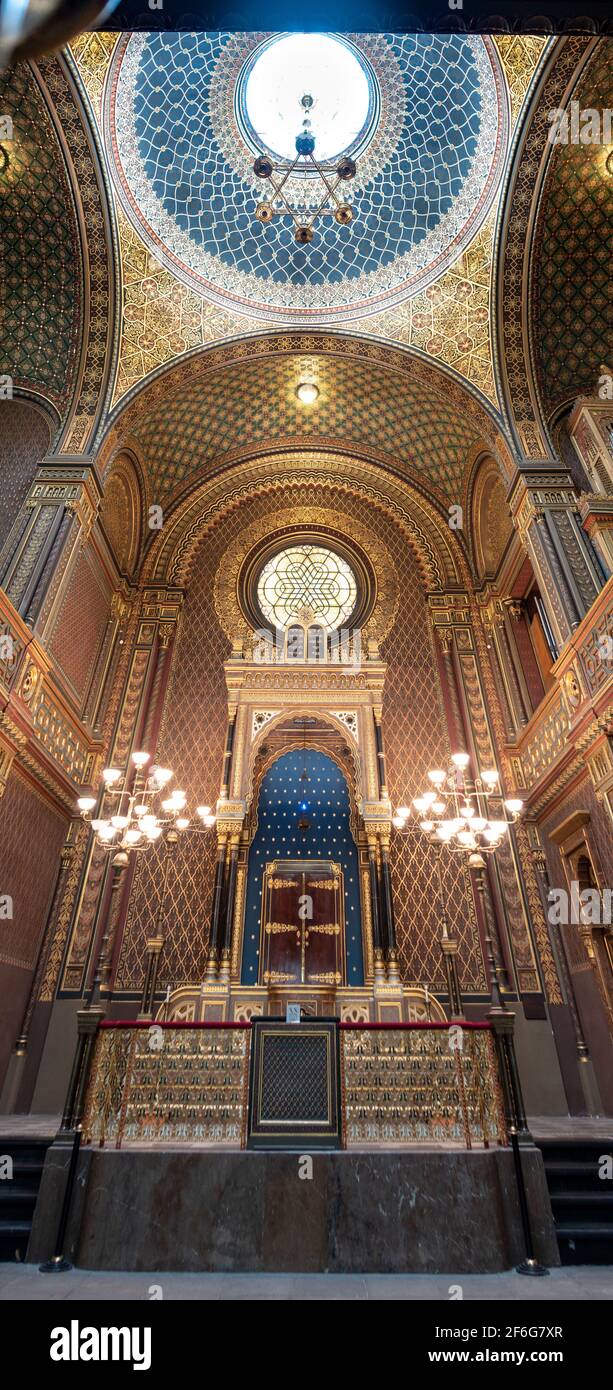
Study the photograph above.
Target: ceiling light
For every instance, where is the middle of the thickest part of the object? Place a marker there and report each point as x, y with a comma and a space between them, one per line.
307, 392
86, 803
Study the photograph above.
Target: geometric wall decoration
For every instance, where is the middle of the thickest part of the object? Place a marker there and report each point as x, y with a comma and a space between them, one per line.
40, 248
572, 304
254, 402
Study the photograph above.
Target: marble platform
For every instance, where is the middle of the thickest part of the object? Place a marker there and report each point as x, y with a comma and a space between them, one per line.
386, 1212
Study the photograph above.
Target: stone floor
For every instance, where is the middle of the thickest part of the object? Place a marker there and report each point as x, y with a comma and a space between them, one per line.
24, 1282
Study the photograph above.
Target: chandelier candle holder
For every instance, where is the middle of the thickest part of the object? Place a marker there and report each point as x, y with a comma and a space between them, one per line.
470, 816
332, 177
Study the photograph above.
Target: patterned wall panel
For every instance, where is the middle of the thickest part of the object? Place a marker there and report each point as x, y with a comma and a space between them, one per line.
41, 285
26, 820
416, 739
572, 304
80, 625
192, 742
25, 440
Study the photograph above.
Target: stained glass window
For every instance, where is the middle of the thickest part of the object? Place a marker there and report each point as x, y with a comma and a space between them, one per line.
307, 583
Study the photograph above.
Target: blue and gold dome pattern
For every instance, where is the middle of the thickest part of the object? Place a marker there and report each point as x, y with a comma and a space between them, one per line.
182, 140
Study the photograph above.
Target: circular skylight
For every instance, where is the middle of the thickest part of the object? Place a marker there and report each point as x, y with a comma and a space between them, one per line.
307, 584
317, 66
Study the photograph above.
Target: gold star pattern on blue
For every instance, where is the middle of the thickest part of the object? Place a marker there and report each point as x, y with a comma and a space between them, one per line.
324, 801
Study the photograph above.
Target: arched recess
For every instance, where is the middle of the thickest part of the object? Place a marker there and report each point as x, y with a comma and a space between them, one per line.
121, 514
518, 390
261, 755
491, 522
284, 800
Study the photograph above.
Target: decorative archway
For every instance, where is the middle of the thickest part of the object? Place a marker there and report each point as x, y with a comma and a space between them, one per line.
300, 820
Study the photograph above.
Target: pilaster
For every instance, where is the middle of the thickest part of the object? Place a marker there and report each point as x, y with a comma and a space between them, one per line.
544, 506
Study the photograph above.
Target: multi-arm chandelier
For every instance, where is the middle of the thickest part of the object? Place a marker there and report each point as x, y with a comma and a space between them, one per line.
281, 202
130, 815
469, 815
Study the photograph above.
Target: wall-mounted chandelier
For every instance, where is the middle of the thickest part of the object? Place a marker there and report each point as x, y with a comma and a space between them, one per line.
282, 201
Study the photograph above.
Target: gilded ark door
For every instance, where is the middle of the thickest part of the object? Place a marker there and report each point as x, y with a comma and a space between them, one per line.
302, 939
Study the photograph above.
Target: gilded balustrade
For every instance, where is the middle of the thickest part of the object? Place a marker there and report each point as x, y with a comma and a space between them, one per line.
401, 1085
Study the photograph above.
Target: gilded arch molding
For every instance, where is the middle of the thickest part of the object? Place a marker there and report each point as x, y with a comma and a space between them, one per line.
99, 328
219, 404
258, 766
439, 553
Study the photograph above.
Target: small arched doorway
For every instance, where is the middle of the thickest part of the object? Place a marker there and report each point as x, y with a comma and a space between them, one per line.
304, 820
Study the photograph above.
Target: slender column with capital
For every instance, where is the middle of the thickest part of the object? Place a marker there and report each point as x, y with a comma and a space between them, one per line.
57, 517
154, 949
570, 576
227, 763
381, 773
387, 904
226, 945
373, 872
216, 909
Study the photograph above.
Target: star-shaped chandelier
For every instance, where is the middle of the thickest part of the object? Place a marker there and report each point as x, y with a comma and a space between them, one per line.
281, 201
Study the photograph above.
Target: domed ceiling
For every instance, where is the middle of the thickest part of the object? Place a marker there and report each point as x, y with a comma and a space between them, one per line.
425, 118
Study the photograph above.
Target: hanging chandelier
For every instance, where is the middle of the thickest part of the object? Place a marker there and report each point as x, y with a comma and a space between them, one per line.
127, 814
470, 815
282, 202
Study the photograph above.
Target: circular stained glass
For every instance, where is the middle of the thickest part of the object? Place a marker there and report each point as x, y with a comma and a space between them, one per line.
319, 67
307, 584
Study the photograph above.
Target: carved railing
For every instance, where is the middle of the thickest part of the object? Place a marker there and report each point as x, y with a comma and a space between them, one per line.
421, 1083
402, 1084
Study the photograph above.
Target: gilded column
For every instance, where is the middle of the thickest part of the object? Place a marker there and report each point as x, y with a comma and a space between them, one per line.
545, 510
55, 521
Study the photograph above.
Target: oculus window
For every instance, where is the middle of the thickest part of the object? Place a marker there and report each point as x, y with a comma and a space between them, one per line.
307, 583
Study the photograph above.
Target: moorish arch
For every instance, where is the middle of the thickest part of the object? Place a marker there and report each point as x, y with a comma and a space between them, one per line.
440, 554
398, 407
